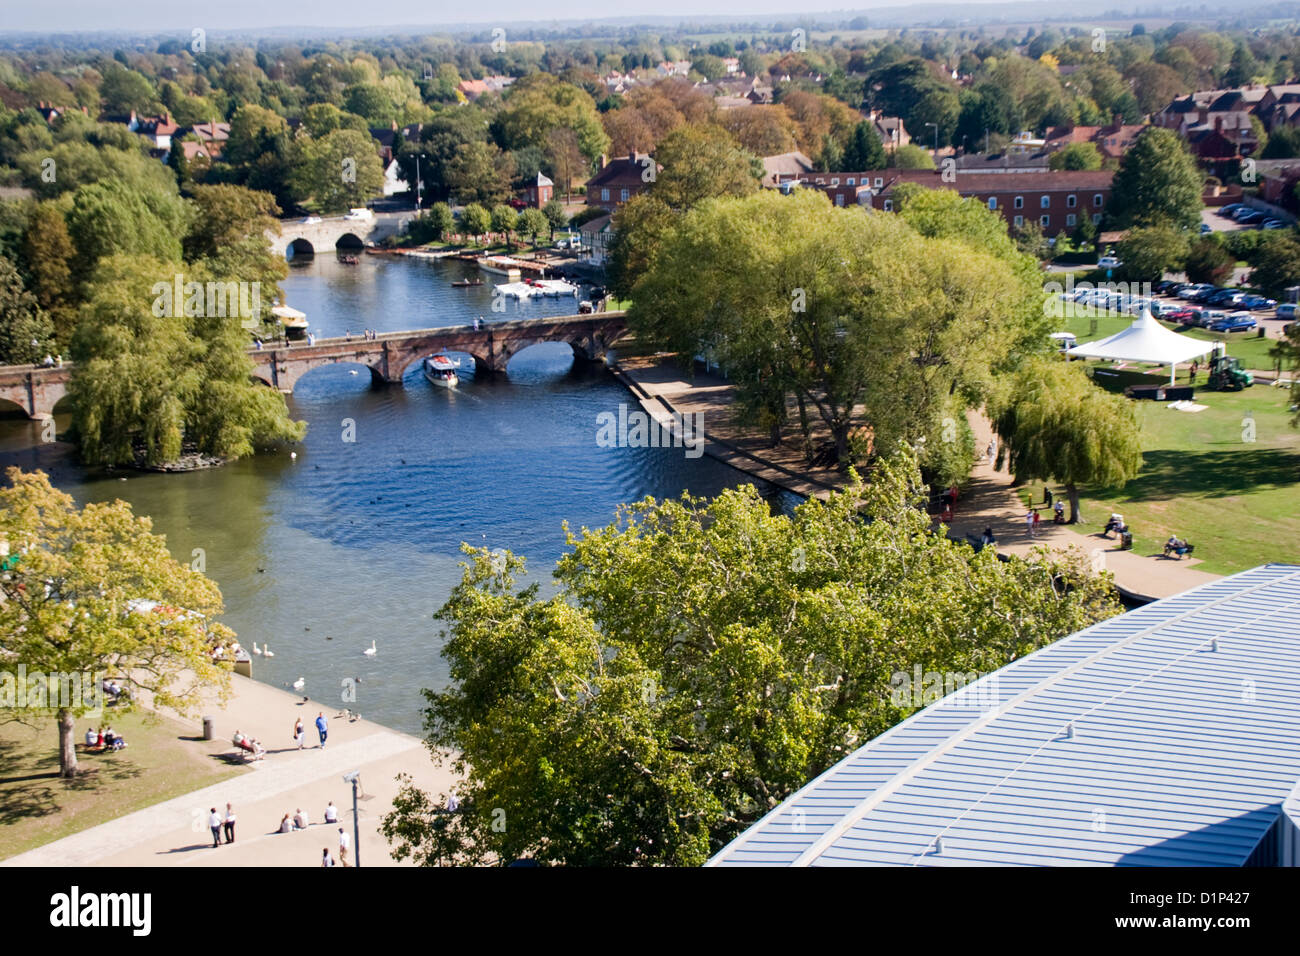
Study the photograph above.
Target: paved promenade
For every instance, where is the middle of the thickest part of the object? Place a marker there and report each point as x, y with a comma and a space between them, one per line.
175, 832
989, 500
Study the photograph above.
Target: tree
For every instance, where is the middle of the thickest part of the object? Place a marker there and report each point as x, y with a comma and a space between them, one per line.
533, 223
700, 162
1208, 261
555, 215
1148, 252
340, 171
540, 103
124, 91
1276, 265
1157, 180
1056, 425
563, 152
26, 335
476, 220
227, 236
106, 220
1283, 143
864, 151
440, 220
505, 221
70, 609
480, 173
701, 661
261, 153
47, 254
1076, 156
911, 156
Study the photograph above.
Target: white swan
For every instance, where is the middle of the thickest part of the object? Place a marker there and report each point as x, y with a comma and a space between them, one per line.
299, 684
370, 651
257, 650
266, 650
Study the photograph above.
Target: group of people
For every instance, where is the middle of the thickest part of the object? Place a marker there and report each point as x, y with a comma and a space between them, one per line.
104, 738
246, 743
114, 689
322, 730
1176, 546
299, 820
217, 823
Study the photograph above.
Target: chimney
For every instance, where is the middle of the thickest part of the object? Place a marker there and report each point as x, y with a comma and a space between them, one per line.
604, 160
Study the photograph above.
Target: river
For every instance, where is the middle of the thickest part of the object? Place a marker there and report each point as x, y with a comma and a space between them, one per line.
355, 541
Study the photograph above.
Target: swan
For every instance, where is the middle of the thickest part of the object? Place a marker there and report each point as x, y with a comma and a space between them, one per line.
299, 684
370, 651
266, 650
257, 650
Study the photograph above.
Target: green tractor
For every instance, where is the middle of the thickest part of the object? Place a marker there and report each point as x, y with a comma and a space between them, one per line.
1227, 375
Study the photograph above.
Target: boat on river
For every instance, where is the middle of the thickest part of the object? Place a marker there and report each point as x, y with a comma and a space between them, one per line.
441, 371
501, 265
463, 283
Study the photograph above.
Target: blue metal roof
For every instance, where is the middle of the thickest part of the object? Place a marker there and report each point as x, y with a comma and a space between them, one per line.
1166, 736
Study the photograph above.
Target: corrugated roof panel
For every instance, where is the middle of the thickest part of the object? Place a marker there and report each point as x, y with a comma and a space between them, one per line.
1183, 744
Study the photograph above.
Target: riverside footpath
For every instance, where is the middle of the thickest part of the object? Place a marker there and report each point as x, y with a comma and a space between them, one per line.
175, 832
989, 500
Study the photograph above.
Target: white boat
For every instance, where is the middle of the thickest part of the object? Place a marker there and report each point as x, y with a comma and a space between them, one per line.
441, 371
502, 265
516, 290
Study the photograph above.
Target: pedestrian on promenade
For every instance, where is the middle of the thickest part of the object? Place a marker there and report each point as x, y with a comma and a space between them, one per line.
1029, 521
230, 824
325, 858
286, 825
298, 736
322, 728
1035, 528
331, 813
343, 847
214, 824
300, 821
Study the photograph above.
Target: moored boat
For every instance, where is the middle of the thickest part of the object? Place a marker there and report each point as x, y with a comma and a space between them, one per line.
462, 283
441, 371
501, 265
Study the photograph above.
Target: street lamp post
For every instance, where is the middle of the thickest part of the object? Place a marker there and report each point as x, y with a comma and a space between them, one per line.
353, 778
936, 138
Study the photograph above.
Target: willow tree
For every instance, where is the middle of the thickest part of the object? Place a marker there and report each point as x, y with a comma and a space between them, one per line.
700, 661
865, 321
70, 614
1056, 425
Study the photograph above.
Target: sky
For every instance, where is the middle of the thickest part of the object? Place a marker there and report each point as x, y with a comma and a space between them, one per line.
168, 15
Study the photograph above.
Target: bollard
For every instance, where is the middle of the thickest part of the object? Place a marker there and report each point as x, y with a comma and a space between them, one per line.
207, 727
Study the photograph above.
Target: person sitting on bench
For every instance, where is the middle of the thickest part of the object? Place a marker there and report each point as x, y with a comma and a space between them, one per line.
1058, 512
1177, 547
1116, 523
987, 538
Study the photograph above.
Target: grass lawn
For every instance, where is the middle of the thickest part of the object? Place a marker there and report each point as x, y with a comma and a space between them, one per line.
162, 760
1247, 346
1234, 500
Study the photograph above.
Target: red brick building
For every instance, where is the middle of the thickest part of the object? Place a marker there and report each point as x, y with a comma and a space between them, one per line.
618, 180
539, 192
1054, 200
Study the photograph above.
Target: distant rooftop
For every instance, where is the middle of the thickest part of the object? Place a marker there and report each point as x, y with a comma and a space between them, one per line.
1167, 736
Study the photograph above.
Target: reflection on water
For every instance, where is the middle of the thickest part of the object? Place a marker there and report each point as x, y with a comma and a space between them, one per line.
359, 540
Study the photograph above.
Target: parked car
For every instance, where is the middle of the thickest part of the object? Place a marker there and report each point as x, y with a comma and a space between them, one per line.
1178, 315
1201, 296
1234, 322
1205, 229
1252, 219
1231, 209
1225, 297
1108, 262
1243, 212
1273, 224
311, 220
1258, 303
1204, 318
1288, 310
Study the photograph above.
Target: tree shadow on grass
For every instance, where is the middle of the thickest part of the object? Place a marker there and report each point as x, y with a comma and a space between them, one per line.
1214, 474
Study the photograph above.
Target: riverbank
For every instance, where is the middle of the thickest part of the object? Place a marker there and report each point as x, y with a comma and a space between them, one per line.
989, 499
175, 833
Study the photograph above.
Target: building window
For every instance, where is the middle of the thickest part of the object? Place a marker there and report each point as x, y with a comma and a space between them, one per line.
839, 199
1096, 219
624, 195
889, 205
1071, 219
849, 181
835, 180
604, 195
1020, 221
993, 202
1044, 202
1020, 202
1044, 221
879, 182
820, 181
1071, 201
1096, 200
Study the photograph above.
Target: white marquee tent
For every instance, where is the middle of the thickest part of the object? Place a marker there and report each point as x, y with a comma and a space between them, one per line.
1146, 340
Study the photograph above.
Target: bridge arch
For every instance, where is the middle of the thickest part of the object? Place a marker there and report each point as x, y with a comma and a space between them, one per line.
299, 247
355, 365
349, 241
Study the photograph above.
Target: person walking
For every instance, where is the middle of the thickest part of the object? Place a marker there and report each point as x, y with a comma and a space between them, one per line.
1035, 528
1029, 521
343, 847
322, 728
230, 824
214, 824
298, 736
325, 858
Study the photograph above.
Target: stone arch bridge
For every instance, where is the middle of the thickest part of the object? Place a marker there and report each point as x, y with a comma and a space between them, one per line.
336, 232
37, 390
493, 345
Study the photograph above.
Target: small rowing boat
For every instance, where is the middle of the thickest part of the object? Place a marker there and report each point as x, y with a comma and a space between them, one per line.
463, 283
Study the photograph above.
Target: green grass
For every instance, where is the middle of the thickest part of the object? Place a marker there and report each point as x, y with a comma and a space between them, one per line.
1235, 500
161, 761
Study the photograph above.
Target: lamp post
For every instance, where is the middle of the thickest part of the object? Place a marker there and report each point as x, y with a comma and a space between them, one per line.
353, 778
936, 138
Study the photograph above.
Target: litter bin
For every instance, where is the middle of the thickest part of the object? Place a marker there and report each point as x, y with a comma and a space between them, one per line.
207, 727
